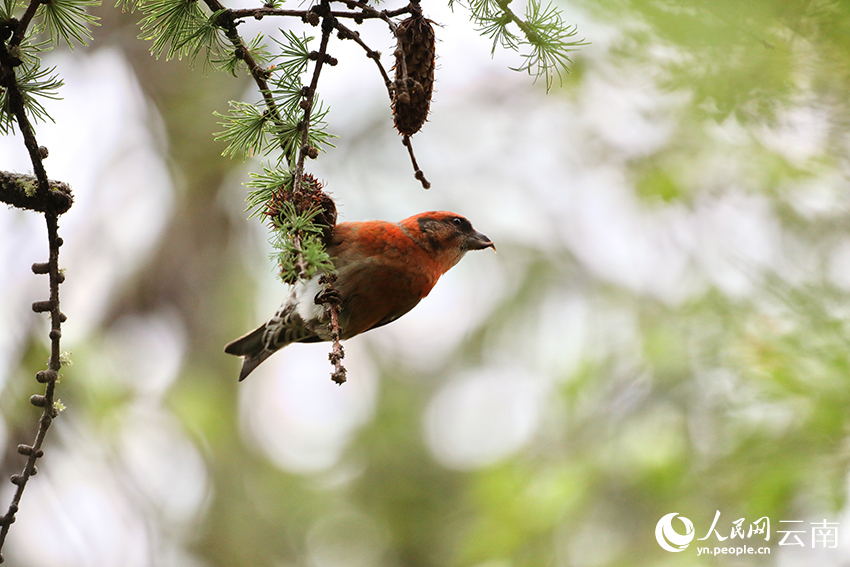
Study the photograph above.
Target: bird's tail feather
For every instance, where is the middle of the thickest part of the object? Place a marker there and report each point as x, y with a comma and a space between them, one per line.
251, 348
246, 345
249, 363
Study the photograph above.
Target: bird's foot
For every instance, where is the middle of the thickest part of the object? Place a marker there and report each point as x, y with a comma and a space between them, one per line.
331, 296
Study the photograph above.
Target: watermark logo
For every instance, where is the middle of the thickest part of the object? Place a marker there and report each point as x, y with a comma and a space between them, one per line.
823, 534
669, 538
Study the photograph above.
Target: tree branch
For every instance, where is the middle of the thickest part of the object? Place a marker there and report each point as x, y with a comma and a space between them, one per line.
417, 173
330, 298
345, 33
47, 402
24, 23
9, 82
227, 21
260, 13
310, 94
329, 22
53, 198
21, 191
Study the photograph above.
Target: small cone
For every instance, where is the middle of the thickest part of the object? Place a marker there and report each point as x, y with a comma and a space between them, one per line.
311, 197
412, 100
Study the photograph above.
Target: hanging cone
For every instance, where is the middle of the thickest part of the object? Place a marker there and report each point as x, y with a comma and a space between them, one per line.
311, 197
413, 98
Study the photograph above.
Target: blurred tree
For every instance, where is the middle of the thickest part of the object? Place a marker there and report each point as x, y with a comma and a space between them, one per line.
665, 329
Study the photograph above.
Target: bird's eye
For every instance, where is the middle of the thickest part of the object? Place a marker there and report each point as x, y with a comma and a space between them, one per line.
457, 222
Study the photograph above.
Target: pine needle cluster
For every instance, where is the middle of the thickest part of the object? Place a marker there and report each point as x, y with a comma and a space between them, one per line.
26, 31
543, 36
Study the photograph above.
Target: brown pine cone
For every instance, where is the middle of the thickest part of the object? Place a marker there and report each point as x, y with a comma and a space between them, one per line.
413, 98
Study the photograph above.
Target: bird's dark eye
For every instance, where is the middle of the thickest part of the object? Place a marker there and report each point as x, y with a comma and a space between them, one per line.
457, 222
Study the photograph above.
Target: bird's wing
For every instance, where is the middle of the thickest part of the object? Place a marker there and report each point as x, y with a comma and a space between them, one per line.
286, 326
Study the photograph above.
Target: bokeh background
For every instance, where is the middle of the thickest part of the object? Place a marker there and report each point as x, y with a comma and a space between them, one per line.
664, 327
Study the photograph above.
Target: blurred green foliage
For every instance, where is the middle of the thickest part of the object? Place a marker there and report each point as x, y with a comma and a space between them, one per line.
720, 399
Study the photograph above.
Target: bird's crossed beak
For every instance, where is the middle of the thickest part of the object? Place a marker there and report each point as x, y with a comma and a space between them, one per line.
479, 241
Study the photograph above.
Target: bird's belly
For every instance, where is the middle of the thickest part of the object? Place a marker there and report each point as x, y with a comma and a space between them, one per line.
313, 315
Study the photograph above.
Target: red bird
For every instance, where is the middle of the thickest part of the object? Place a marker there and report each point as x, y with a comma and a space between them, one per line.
383, 270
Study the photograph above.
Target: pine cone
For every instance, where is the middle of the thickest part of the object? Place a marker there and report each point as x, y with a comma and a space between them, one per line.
413, 99
311, 197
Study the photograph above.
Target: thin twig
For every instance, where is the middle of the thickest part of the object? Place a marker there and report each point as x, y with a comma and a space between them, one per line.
308, 100
304, 126
259, 13
345, 33
417, 172
227, 21
53, 198
370, 12
330, 298
399, 87
9, 82
34, 452
328, 24
24, 22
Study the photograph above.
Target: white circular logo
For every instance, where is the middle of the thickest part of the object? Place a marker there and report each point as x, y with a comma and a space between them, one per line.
670, 539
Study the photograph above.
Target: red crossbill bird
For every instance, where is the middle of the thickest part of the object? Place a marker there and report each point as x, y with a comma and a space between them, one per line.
383, 270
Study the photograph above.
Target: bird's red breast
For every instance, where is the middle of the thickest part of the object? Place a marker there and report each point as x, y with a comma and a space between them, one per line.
382, 273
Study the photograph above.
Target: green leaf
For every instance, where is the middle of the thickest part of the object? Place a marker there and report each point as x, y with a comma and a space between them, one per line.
549, 39
128, 5
294, 53
171, 25
244, 130
288, 132
8, 7
288, 136
495, 27
543, 30
286, 92
33, 82
258, 50
289, 224
318, 136
264, 186
208, 37
68, 20
229, 61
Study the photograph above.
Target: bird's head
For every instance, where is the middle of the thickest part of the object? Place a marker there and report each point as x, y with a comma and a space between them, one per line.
448, 236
